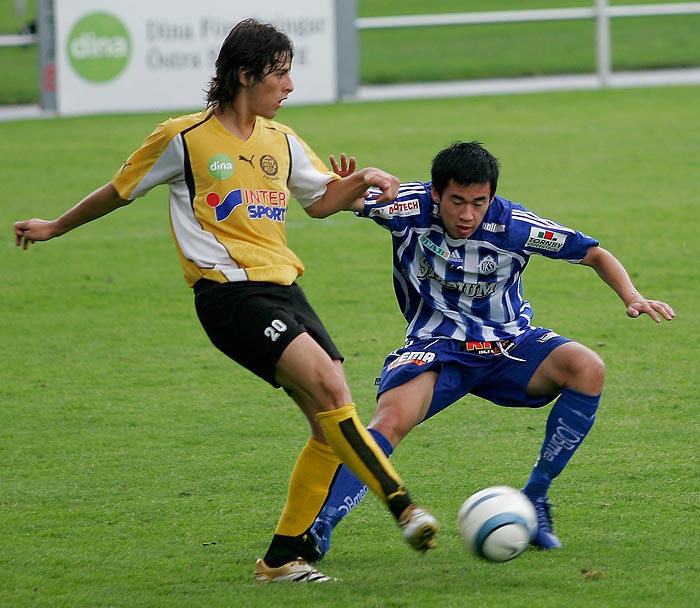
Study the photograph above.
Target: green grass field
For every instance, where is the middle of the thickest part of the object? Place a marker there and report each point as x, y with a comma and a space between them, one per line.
141, 468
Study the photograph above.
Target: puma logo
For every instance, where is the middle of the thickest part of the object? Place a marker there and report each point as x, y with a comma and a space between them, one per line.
248, 160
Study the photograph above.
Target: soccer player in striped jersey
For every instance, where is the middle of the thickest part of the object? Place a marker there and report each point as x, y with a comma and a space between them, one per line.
459, 252
231, 171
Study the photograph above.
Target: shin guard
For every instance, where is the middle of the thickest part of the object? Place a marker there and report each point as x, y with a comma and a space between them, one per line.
359, 451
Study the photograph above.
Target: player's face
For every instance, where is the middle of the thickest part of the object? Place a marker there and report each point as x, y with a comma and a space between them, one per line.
266, 96
462, 208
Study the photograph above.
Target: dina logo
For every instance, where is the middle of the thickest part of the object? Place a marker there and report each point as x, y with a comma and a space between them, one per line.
220, 166
99, 47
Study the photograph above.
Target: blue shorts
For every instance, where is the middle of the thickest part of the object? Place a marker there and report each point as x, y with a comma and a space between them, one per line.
499, 378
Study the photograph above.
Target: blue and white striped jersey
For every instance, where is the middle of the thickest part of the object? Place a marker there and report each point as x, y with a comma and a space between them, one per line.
468, 289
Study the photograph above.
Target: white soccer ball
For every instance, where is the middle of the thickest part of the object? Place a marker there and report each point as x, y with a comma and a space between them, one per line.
497, 523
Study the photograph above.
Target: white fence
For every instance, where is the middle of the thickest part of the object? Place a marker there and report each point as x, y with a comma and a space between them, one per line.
603, 77
18, 40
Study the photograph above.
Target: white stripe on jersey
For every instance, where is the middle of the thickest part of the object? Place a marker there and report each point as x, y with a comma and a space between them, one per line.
306, 182
426, 327
408, 189
411, 188
196, 244
401, 234
536, 220
168, 168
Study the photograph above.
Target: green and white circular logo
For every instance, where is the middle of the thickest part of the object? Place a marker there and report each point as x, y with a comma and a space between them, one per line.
220, 166
99, 47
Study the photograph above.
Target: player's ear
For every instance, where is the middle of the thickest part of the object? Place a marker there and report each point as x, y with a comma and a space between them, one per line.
434, 195
245, 79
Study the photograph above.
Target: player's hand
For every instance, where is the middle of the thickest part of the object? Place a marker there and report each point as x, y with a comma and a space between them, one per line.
29, 231
653, 308
346, 167
386, 182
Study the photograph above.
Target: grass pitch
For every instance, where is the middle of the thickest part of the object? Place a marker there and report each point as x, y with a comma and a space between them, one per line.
141, 468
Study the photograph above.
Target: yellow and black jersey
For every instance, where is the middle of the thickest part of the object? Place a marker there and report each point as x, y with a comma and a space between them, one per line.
228, 197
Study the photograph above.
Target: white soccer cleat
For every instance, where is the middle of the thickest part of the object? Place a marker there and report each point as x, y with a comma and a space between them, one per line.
298, 571
418, 528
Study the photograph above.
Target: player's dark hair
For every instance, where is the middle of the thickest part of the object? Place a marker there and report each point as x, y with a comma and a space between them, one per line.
466, 163
252, 48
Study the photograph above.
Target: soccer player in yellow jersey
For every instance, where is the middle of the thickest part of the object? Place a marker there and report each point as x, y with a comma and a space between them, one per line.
232, 172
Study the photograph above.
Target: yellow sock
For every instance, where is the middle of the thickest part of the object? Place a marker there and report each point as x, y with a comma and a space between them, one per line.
308, 488
360, 452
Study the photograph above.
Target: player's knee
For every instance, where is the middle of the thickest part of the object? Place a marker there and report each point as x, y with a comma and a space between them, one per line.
393, 427
334, 389
589, 373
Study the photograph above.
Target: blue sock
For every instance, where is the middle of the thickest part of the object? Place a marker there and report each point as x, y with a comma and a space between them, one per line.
347, 490
569, 421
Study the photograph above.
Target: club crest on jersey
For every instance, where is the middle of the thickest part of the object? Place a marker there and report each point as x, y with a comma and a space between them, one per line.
487, 265
541, 238
261, 204
269, 165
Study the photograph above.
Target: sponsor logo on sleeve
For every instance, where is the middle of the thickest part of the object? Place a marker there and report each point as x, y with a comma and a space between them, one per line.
541, 238
397, 209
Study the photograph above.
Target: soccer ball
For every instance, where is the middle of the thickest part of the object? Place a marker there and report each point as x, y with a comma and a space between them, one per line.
497, 523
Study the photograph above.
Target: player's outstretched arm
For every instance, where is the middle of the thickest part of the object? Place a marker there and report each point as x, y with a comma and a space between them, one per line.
611, 270
101, 202
347, 194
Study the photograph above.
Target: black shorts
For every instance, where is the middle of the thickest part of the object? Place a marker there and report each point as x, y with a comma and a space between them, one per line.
254, 322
